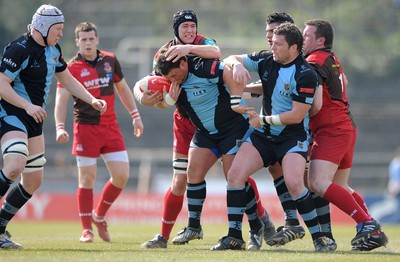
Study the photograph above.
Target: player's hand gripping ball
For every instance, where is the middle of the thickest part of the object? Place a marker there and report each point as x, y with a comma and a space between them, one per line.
154, 83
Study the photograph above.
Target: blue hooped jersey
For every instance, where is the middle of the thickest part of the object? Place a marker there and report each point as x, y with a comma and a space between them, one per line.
31, 67
206, 99
283, 84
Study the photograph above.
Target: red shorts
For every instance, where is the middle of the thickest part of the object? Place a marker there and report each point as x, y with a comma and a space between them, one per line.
334, 145
183, 133
94, 140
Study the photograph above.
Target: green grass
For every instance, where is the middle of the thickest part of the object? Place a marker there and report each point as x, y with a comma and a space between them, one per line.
59, 242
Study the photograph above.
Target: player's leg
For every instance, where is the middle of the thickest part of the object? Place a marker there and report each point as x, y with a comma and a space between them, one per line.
173, 199
87, 170
376, 239
173, 202
246, 162
293, 166
118, 166
269, 228
287, 203
200, 162
14, 147
31, 179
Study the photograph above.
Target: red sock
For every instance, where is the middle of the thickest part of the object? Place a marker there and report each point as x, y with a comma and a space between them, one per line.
361, 202
339, 196
108, 196
172, 208
85, 206
260, 208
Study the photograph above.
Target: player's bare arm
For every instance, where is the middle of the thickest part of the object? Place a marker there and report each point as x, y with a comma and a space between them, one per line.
60, 113
204, 51
128, 101
240, 73
78, 90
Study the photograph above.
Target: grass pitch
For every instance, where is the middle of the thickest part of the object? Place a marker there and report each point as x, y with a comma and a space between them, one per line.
58, 241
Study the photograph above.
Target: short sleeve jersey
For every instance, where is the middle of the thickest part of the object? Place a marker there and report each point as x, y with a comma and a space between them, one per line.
283, 84
98, 78
199, 40
32, 68
335, 107
206, 99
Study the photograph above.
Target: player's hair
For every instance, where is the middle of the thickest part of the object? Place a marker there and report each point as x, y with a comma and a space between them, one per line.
279, 18
163, 66
323, 29
85, 27
292, 34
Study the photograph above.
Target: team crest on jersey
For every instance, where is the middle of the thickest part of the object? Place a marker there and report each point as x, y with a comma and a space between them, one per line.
107, 67
287, 86
85, 72
79, 147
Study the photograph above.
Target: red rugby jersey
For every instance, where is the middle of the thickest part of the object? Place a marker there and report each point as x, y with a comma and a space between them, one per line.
335, 106
98, 78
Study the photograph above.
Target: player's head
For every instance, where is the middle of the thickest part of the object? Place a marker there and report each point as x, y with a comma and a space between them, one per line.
317, 34
85, 27
287, 43
87, 40
174, 71
273, 20
44, 18
184, 16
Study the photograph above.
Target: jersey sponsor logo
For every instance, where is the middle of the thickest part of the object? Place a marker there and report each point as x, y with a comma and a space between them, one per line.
85, 72
97, 83
197, 93
9, 62
284, 93
308, 90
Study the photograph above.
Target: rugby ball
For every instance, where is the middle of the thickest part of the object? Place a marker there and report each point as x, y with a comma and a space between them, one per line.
154, 83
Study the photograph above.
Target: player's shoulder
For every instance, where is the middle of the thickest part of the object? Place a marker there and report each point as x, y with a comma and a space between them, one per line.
203, 40
105, 53
263, 54
21, 45
318, 56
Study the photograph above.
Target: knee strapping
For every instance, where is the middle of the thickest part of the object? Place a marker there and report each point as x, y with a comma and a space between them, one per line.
180, 165
15, 146
34, 163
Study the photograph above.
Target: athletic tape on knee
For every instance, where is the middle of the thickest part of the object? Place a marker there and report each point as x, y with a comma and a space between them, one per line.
17, 146
180, 165
35, 163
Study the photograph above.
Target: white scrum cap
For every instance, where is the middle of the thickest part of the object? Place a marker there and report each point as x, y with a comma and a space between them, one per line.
45, 17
